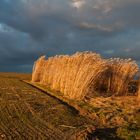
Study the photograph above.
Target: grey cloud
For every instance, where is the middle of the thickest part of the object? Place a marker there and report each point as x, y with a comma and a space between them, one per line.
31, 28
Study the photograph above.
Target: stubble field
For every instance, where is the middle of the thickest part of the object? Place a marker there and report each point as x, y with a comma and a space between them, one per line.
28, 113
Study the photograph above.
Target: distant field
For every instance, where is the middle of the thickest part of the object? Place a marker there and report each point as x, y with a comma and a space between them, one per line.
21, 76
27, 113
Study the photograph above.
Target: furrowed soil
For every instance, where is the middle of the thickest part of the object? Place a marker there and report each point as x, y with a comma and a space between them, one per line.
29, 113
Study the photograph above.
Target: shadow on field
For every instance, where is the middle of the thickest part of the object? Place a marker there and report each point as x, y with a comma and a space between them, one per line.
105, 134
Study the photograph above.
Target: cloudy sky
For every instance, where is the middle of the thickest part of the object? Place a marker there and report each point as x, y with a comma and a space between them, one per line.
31, 28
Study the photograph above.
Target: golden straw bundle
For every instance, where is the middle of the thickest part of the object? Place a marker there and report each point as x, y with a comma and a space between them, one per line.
81, 74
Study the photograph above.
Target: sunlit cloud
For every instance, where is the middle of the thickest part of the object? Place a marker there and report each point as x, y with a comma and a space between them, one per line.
78, 3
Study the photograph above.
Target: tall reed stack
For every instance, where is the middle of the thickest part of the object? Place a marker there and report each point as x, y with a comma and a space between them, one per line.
122, 72
138, 92
80, 75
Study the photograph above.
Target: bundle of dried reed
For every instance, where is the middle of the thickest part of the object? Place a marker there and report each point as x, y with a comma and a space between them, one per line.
121, 72
138, 92
81, 74
38, 69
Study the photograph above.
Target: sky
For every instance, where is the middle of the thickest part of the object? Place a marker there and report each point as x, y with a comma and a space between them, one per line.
31, 28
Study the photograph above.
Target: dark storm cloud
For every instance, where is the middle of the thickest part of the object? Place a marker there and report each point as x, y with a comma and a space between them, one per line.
17, 14
30, 28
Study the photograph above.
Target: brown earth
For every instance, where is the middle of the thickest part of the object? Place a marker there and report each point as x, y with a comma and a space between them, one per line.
28, 113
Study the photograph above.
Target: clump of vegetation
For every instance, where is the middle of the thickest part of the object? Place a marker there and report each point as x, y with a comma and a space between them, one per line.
84, 75
129, 132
